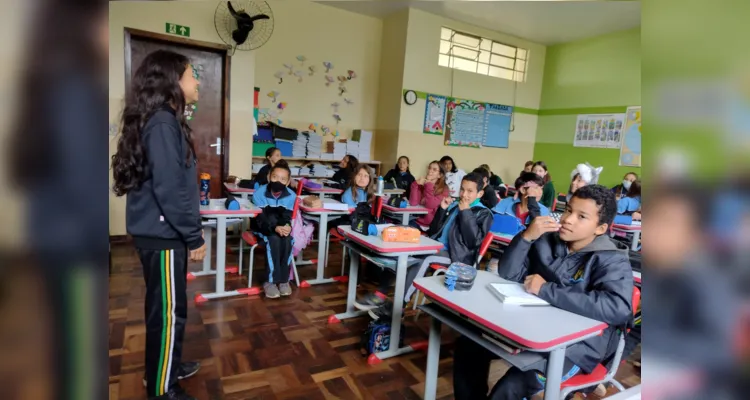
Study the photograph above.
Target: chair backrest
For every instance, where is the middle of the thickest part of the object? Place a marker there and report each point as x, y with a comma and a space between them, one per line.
296, 208
554, 205
377, 206
300, 186
484, 246
636, 299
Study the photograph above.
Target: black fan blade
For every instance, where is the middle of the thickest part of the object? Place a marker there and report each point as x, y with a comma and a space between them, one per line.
241, 16
240, 35
259, 17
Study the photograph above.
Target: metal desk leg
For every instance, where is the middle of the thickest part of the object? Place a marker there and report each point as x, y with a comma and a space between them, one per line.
433, 359
322, 245
636, 239
554, 374
398, 310
351, 294
221, 254
405, 219
207, 259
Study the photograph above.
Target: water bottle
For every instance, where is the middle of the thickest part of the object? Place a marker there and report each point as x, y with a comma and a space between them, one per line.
381, 185
205, 188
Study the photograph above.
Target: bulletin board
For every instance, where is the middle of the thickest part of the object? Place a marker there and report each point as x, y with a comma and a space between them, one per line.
468, 123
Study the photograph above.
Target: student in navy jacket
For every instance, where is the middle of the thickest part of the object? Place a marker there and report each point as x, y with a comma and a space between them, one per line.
574, 266
155, 165
400, 176
274, 226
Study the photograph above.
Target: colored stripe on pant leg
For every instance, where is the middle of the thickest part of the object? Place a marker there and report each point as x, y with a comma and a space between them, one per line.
171, 315
167, 332
159, 372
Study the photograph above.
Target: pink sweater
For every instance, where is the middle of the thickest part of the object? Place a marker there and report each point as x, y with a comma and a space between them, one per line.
425, 196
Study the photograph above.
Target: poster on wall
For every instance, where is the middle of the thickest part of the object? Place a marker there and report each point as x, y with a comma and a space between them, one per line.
464, 123
630, 149
599, 130
497, 122
434, 114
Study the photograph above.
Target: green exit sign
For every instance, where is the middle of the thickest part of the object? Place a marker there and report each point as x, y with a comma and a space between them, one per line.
178, 29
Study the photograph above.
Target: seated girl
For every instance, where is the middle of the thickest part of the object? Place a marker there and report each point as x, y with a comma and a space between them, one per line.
428, 191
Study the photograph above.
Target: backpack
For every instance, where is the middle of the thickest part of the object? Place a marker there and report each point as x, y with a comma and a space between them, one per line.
362, 218
377, 338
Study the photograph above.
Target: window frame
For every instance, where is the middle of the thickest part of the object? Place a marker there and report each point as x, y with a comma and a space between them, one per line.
480, 55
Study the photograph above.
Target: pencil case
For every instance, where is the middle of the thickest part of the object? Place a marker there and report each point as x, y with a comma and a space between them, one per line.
402, 234
460, 277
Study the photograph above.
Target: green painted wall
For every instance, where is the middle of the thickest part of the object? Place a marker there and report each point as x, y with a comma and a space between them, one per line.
596, 75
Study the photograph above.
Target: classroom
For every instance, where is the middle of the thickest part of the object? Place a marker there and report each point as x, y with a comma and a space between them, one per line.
368, 200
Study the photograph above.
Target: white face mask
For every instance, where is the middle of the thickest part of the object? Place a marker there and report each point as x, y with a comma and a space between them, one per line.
626, 184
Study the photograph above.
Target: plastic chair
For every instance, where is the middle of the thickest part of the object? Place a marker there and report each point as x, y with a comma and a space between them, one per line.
440, 269
251, 239
600, 373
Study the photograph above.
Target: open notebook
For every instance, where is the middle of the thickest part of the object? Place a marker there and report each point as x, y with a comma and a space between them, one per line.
514, 293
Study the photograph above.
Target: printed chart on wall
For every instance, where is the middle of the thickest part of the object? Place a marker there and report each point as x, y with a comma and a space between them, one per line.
599, 130
630, 151
475, 124
434, 114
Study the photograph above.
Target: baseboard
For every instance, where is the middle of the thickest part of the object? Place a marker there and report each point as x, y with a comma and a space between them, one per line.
120, 239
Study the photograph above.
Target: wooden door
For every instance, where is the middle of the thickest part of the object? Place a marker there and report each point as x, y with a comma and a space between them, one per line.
210, 118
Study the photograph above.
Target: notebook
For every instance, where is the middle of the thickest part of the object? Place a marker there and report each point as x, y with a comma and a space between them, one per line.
514, 293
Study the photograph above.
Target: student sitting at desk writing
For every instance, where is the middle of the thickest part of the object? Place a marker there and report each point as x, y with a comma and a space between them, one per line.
572, 265
274, 226
459, 225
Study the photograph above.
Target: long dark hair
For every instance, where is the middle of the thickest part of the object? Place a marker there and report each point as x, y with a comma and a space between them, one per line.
269, 154
547, 177
453, 163
407, 164
440, 185
156, 83
635, 189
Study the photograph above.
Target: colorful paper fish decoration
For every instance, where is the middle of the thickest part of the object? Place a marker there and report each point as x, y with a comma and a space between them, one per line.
329, 80
279, 122
336, 134
351, 74
337, 118
325, 129
312, 70
341, 78
348, 101
299, 75
328, 65
281, 106
280, 76
342, 90
302, 59
312, 127
290, 67
335, 107
273, 94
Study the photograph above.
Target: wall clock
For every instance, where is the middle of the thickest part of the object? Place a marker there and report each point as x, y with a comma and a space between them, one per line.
410, 97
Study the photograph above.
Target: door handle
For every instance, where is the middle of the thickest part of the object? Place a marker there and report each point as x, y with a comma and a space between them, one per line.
217, 145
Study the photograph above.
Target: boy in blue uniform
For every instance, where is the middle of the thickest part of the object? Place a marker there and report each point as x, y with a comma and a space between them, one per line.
274, 226
574, 266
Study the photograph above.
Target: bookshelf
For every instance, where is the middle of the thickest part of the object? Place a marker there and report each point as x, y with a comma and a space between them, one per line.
375, 164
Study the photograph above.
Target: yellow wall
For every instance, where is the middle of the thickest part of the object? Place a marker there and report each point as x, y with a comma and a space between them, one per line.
422, 72
321, 33
153, 16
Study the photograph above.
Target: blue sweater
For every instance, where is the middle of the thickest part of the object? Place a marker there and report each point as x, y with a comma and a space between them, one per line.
347, 197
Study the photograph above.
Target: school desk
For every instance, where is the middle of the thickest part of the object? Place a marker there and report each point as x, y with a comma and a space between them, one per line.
321, 216
323, 191
625, 229
373, 247
234, 190
391, 192
216, 210
404, 213
478, 314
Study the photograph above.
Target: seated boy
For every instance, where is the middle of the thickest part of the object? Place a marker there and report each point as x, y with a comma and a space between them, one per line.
274, 226
489, 198
574, 266
525, 206
460, 225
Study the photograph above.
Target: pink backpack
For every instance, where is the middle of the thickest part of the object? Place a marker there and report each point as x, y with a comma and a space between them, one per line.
302, 232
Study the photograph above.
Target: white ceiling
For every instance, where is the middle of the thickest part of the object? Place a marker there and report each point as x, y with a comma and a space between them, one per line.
544, 22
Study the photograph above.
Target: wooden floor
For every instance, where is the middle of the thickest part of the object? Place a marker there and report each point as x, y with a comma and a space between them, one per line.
258, 348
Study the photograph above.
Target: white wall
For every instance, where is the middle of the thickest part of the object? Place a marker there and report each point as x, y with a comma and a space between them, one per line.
422, 73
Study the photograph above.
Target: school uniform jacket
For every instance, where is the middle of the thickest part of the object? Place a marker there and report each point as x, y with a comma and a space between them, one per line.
596, 282
402, 180
466, 232
276, 211
164, 212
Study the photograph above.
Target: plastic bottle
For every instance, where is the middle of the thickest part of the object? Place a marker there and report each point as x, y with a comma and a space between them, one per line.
381, 185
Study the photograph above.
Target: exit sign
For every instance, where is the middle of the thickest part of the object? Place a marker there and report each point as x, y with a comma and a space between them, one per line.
178, 29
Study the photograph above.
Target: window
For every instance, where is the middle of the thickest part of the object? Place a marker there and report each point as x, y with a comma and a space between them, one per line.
481, 55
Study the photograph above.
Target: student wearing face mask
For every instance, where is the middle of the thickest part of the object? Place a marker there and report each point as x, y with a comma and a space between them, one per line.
274, 226
622, 189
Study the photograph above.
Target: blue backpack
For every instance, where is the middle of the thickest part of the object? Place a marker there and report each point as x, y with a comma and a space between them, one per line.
377, 337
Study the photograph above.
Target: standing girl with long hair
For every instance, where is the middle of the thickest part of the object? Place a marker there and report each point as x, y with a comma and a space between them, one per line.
428, 191
155, 166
